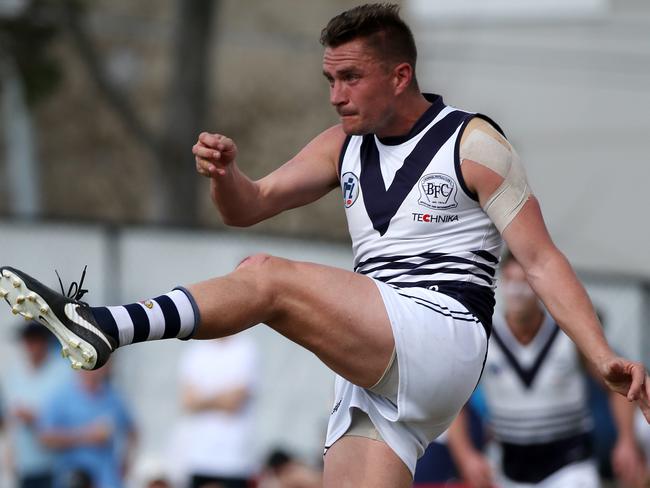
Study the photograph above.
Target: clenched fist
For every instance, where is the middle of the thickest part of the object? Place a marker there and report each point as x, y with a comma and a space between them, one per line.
214, 154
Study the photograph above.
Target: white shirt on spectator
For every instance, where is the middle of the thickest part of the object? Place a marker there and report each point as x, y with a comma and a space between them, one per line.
213, 442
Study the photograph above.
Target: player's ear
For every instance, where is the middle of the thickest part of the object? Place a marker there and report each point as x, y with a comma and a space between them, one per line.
402, 76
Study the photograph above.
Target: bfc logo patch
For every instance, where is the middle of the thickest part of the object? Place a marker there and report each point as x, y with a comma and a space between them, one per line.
438, 191
350, 185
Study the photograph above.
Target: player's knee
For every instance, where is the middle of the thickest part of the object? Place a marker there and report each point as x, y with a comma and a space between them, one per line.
264, 272
254, 260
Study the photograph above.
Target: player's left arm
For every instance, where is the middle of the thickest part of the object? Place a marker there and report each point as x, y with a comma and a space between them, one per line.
500, 183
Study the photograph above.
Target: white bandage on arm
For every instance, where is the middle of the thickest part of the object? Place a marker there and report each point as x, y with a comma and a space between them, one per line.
484, 145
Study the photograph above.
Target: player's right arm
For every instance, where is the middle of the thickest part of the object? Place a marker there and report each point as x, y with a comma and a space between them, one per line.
243, 202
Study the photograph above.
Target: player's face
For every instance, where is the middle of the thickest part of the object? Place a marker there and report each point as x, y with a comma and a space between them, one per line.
518, 295
361, 88
37, 348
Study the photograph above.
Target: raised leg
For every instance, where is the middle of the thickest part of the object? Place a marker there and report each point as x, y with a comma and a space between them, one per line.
336, 314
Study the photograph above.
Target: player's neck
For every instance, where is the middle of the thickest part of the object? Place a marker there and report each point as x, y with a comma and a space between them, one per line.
410, 108
525, 324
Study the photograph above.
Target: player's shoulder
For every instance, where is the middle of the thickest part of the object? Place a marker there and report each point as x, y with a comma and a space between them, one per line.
326, 145
333, 137
477, 122
479, 125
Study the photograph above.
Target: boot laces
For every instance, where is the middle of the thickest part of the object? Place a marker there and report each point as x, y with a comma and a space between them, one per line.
75, 290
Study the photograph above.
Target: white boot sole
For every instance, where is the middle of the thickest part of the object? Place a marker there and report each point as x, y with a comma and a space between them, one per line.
31, 306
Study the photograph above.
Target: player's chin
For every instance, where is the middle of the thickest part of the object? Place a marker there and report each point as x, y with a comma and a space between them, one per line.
352, 126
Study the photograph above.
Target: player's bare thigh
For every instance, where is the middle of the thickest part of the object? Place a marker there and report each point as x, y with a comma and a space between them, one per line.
359, 462
337, 314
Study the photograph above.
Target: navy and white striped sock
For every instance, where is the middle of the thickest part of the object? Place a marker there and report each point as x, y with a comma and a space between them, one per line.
173, 315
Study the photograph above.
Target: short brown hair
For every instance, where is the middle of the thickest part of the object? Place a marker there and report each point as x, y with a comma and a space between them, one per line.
380, 25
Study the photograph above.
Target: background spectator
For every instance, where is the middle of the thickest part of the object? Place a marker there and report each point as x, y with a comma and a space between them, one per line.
284, 471
218, 381
90, 429
27, 386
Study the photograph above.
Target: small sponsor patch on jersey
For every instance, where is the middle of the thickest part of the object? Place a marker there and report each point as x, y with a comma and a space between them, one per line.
148, 304
350, 186
438, 191
433, 218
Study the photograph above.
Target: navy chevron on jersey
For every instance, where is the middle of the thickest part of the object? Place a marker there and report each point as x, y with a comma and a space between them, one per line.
412, 220
535, 393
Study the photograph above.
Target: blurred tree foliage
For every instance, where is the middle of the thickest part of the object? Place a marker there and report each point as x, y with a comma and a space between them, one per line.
175, 188
25, 39
26, 36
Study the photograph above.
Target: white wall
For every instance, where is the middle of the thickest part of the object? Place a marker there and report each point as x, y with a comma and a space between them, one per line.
572, 94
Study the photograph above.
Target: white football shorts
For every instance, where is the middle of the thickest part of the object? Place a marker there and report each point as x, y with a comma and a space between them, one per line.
441, 349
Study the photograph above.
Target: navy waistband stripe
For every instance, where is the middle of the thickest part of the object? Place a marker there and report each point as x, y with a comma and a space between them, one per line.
437, 271
424, 255
406, 265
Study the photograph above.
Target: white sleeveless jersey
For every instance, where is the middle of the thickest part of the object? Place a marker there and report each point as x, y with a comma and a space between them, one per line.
412, 220
535, 393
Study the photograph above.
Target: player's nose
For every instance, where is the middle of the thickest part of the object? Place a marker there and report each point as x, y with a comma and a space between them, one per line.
337, 94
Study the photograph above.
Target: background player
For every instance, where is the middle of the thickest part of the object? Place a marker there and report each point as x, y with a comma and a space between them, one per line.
537, 404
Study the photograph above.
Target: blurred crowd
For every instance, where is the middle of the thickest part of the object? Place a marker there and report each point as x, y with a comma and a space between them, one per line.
66, 429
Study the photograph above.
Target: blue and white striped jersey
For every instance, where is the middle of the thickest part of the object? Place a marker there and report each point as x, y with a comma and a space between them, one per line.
412, 220
535, 393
